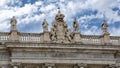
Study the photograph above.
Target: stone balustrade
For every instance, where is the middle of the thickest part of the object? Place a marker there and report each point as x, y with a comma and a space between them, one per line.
29, 37
115, 40
36, 38
90, 39
4, 36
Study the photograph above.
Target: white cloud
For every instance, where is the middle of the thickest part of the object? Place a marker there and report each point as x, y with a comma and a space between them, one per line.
38, 3
4, 2
36, 12
115, 31
47, 8
94, 30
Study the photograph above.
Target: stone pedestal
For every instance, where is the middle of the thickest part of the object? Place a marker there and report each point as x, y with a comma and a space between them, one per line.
14, 37
106, 39
46, 37
76, 37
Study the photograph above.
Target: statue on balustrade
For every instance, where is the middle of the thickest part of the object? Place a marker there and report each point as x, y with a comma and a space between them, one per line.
13, 23
45, 26
75, 25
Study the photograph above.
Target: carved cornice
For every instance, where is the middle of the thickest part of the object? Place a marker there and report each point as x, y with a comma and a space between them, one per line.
61, 45
31, 47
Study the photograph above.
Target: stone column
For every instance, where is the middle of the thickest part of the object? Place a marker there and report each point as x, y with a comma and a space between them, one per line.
15, 65
49, 65
82, 65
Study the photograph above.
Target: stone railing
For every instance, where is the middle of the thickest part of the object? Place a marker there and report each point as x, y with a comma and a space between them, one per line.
35, 38
29, 37
4, 36
115, 40
90, 39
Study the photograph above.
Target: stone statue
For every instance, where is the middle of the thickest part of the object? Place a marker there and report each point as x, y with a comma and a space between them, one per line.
13, 23
45, 25
75, 25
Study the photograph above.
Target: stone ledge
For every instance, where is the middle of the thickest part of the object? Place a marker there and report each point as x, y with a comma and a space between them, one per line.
99, 47
70, 61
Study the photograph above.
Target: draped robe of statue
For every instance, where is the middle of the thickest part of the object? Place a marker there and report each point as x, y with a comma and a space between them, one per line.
75, 25
45, 25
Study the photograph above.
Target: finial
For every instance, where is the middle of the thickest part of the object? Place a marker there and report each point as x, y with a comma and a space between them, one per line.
59, 10
44, 19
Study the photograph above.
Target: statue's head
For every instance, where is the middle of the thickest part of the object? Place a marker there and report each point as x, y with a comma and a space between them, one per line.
104, 24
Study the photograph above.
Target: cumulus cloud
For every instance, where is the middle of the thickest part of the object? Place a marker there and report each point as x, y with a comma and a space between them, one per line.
89, 13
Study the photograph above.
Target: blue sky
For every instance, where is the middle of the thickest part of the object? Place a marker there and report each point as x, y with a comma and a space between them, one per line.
89, 13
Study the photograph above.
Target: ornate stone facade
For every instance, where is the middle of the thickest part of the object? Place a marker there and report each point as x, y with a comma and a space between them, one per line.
58, 48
